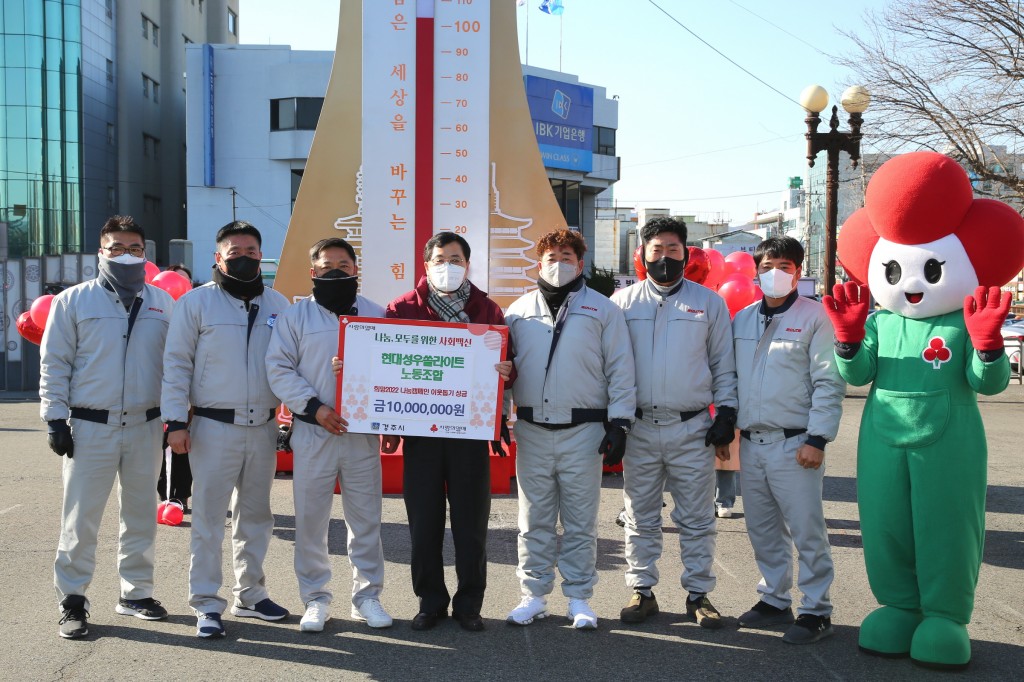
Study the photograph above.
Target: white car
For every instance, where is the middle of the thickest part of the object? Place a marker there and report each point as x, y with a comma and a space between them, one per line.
1013, 337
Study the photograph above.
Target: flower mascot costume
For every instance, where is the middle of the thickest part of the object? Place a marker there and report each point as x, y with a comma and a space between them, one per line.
933, 257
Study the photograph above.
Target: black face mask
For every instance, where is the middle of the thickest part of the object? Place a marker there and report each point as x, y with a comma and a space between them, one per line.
243, 268
665, 270
235, 283
335, 290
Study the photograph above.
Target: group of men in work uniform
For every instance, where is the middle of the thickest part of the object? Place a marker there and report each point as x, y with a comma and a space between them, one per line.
594, 380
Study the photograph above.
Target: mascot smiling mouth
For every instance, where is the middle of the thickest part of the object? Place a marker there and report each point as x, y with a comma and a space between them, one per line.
914, 298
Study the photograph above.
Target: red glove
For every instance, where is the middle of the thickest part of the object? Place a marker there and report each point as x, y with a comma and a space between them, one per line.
984, 314
848, 310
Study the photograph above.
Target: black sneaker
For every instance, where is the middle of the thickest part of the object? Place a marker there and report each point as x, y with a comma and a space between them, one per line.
146, 609
808, 629
639, 608
74, 622
703, 613
765, 615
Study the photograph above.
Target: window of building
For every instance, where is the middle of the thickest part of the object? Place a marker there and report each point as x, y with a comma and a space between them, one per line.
150, 88
604, 140
110, 133
232, 23
295, 113
567, 193
150, 147
149, 28
296, 181
110, 71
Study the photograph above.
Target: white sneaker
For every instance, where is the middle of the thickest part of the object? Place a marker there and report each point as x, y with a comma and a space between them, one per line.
583, 617
373, 614
316, 615
528, 609
723, 512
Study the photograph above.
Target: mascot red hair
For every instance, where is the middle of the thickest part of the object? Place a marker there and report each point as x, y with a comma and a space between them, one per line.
934, 258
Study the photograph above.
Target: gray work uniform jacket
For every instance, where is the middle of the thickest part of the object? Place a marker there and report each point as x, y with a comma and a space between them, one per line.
591, 368
299, 358
682, 345
788, 377
209, 362
89, 361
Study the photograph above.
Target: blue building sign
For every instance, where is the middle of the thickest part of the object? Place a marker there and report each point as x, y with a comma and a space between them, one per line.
563, 121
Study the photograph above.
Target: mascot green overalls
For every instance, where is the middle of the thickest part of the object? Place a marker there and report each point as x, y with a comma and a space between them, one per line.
933, 257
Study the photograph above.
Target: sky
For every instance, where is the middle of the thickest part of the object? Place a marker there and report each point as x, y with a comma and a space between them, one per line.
697, 134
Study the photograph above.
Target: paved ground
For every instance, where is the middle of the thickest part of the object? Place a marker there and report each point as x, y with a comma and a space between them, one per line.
667, 647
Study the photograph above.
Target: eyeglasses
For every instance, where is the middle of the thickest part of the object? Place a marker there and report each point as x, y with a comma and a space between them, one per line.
454, 260
115, 251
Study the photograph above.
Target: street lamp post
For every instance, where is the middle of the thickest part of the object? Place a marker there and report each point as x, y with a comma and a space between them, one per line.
855, 101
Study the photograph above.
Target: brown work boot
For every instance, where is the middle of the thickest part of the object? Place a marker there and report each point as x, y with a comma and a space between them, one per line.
639, 608
705, 615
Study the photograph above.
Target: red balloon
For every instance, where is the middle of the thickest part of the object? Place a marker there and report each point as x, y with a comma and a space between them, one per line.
743, 263
738, 292
717, 272
151, 271
40, 310
639, 264
28, 329
169, 513
173, 283
698, 265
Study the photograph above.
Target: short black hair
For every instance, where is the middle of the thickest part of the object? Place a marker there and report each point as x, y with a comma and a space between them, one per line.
656, 226
121, 223
331, 243
239, 227
180, 267
780, 247
441, 240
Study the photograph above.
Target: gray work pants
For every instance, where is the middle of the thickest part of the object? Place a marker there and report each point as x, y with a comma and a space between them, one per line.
232, 466
559, 478
131, 454
320, 459
672, 457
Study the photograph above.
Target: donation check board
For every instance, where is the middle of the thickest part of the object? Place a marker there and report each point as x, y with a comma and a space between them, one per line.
414, 378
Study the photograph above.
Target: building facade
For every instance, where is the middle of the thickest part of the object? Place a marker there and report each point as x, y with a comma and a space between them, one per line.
92, 117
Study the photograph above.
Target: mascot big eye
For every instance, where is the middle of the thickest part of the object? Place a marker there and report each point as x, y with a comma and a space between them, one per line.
934, 258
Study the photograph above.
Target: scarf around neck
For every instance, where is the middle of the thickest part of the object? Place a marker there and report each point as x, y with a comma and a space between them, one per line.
449, 307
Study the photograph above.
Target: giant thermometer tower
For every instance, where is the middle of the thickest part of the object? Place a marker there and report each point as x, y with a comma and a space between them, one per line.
425, 128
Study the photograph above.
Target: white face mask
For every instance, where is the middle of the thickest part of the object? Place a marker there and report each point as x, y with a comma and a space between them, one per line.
127, 259
446, 277
558, 274
776, 283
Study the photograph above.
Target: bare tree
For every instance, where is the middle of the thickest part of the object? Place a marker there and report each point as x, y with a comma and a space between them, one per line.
948, 75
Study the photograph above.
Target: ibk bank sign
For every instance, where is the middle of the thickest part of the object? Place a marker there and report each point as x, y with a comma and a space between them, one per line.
563, 121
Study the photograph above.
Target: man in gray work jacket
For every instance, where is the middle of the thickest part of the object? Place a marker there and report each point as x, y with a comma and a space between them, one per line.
215, 360
791, 400
682, 344
299, 369
100, 368
575, 399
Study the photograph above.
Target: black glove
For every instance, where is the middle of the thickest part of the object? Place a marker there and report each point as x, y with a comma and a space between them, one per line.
59, 438
723, 429
284, 438
613, 447
505, 436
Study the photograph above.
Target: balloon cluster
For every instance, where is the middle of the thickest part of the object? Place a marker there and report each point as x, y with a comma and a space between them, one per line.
731, 276
32, 322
